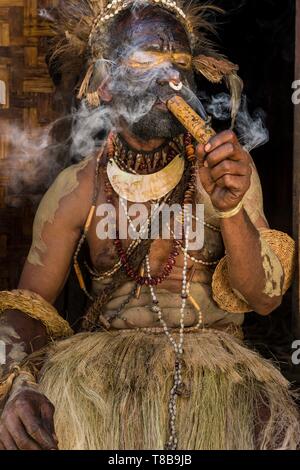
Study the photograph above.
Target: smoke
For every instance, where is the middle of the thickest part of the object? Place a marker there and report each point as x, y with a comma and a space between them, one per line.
38, 156
35, 158
133, 97
251, 130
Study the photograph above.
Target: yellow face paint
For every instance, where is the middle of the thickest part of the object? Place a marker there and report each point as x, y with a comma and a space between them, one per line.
274, 274
149, 59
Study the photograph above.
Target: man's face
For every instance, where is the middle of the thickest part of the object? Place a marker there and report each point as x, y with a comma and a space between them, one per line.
152, 49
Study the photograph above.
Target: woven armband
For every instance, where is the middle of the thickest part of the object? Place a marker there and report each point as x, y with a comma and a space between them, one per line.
36, 307
283, 247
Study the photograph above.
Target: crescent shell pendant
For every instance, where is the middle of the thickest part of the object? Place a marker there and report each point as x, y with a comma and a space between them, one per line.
144, 188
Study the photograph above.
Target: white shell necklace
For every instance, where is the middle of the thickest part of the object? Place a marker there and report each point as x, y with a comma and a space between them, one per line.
145, 188
178, 385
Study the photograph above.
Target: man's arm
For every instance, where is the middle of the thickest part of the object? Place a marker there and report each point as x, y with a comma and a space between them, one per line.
226, 171
27, 418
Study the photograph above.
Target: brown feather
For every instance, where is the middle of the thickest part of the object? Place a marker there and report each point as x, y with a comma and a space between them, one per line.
236, 85
213, 68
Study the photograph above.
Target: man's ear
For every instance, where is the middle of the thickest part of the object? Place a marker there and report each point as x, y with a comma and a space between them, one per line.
103, 91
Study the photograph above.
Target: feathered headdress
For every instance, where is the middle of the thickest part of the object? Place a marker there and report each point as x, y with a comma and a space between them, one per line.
80, 40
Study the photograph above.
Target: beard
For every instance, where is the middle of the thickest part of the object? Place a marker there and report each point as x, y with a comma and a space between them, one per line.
144, 119
157, 124
136, 104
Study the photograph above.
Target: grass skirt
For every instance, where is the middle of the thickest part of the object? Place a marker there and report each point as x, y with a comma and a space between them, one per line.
111, 391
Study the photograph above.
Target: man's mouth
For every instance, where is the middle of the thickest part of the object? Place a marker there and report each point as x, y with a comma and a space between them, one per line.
160, 105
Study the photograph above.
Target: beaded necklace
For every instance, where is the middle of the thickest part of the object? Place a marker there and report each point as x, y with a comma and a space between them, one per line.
142, 162
178, 385
123, 262
178, 388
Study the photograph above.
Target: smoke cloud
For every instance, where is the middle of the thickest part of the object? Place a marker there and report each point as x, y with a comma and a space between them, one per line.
251, 130
39, 157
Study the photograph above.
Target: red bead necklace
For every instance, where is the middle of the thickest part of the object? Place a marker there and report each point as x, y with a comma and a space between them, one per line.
188, 199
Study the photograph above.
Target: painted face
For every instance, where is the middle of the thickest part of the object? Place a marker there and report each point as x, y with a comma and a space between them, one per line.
152, 50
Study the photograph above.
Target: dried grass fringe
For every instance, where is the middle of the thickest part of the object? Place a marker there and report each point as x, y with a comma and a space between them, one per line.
111, 391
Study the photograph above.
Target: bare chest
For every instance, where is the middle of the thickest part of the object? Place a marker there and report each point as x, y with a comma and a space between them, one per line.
113, 221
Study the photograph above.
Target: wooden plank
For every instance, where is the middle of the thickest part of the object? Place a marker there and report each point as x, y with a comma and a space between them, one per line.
296, 209
4, 148
5, 53
11, 3
12, 114
46, 113
38, 85
25, 100
4, 76
30, 118
32, 73
4, 33
4, 12
30, 56
30, 41
5, 61
34, 29
2, 197
16, 21
16, 26
30, 8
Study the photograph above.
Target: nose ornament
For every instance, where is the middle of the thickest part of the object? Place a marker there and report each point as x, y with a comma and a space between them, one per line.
176, 86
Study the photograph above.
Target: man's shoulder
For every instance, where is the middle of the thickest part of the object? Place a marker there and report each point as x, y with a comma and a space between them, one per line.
75, 176
71, 192
74, 181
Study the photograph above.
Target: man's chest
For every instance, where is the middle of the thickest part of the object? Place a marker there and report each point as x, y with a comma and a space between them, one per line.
127, 223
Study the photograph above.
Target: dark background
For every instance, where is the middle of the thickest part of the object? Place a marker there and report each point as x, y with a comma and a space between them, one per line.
259, 35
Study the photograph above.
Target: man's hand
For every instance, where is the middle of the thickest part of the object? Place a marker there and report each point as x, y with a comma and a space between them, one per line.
224, 170
27, 423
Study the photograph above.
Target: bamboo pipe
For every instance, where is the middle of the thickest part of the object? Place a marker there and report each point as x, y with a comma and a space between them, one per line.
199, 129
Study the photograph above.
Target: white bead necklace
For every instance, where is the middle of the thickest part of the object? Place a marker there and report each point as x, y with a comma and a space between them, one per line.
179, 388
178, 385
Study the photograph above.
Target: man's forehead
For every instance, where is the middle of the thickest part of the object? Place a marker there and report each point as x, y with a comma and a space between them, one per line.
157, 27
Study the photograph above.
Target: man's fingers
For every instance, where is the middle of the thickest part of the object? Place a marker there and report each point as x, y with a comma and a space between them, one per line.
230, 182
229, 167
206, 180
225, 151
2, 446
20, 436
47, 413
201, 154
35, 429
224, 137
7, 440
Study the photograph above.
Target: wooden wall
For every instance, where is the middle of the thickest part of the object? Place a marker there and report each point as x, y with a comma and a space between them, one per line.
28, 104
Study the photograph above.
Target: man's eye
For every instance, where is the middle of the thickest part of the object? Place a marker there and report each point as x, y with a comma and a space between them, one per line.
184, 61
142, 58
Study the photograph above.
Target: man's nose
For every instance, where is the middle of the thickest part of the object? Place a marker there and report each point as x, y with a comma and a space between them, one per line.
168, 76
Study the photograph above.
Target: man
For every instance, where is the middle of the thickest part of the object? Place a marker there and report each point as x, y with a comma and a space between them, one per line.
158, 363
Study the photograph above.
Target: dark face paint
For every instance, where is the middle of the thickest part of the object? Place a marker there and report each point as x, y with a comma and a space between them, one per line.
152, 49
